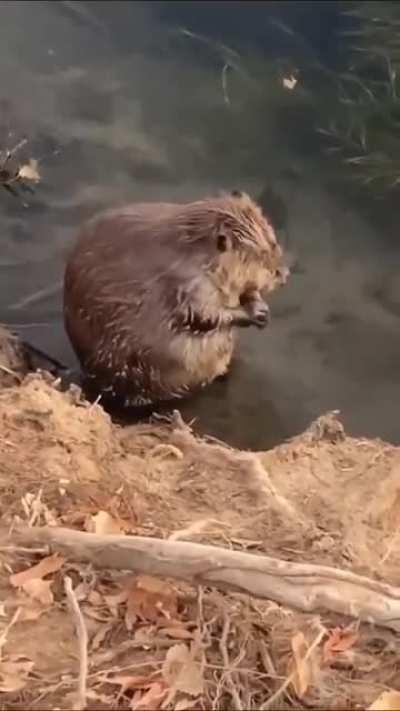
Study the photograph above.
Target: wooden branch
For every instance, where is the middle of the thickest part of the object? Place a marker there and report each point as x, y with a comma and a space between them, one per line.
83, 644
303, 586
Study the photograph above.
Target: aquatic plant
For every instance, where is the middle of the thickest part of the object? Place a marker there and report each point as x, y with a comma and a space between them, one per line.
364, 129
354, 109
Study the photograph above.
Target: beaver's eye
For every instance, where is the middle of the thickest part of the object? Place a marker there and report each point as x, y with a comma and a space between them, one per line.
222, 243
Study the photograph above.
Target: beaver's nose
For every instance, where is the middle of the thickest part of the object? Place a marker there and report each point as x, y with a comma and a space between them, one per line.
282, 274
262, 315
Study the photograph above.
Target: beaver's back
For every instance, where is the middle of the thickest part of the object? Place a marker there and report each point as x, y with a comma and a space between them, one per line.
122, 283
113, 276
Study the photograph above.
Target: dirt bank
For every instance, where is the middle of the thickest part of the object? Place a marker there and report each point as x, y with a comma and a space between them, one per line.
323, 498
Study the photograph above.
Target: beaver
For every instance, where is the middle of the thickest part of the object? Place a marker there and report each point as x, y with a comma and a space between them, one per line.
153, 291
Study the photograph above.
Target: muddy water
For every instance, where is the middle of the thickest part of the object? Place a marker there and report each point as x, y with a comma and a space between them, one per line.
118, 105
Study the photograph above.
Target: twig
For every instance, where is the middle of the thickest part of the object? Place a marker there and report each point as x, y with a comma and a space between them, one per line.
303, 586
390, 547
22, 549
37, 296
12, 151
268, 704
14, 619
227, 672
10, 372
83, 644
31, 324
224, 81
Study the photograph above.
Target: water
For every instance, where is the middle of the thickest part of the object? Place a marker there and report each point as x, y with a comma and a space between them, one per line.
120, 106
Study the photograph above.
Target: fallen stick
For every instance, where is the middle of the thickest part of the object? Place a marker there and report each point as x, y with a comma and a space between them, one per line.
83, 644
303, 586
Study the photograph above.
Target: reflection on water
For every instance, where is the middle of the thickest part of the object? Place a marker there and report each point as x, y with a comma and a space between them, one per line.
120, 106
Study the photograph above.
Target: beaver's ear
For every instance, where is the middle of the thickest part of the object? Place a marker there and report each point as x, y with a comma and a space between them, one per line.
237, 193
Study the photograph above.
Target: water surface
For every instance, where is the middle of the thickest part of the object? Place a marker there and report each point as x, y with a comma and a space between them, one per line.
120, 105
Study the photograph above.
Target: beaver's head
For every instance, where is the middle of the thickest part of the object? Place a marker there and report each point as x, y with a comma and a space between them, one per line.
247, 257
239, 245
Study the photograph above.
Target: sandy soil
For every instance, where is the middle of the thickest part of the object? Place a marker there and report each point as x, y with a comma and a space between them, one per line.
62, 461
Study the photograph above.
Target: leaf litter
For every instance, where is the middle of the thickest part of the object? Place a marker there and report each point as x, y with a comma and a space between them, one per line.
158, 644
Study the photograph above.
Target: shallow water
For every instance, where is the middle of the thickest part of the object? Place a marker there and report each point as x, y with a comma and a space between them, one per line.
119, 105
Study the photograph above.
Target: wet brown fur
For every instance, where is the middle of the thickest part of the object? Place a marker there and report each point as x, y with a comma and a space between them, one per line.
152, 291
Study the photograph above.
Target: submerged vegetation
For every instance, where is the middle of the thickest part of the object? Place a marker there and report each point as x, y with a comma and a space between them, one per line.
365, 129
353, 107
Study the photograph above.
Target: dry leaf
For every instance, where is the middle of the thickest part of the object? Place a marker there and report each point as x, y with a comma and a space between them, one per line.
152, 585
30, 610
95, 696
289, 82
130, 682
97, 614
144, 636
177, 631
182, 671
30, 171
303, 672
152, 699
95, 598
100, 636
386, 701
39, 590
339, 640
5, 631
114, 601
149, 599
105, 525
14, 673
48, 565
192, 530
82, 591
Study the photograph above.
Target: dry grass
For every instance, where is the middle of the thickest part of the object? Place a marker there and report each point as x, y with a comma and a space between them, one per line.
158, 644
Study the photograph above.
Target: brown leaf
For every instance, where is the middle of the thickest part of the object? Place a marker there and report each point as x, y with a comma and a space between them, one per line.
149, 599
152, 699
303, 672
102, 698
97, 614
48, 565
131, 682
114, 601
339, 640
176, 631
30, 610
192, 530
386, 701
95, 598
152, 585
39, 590
30, 171
144, 636
181, 671
14, 673
99, 636
105, 525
